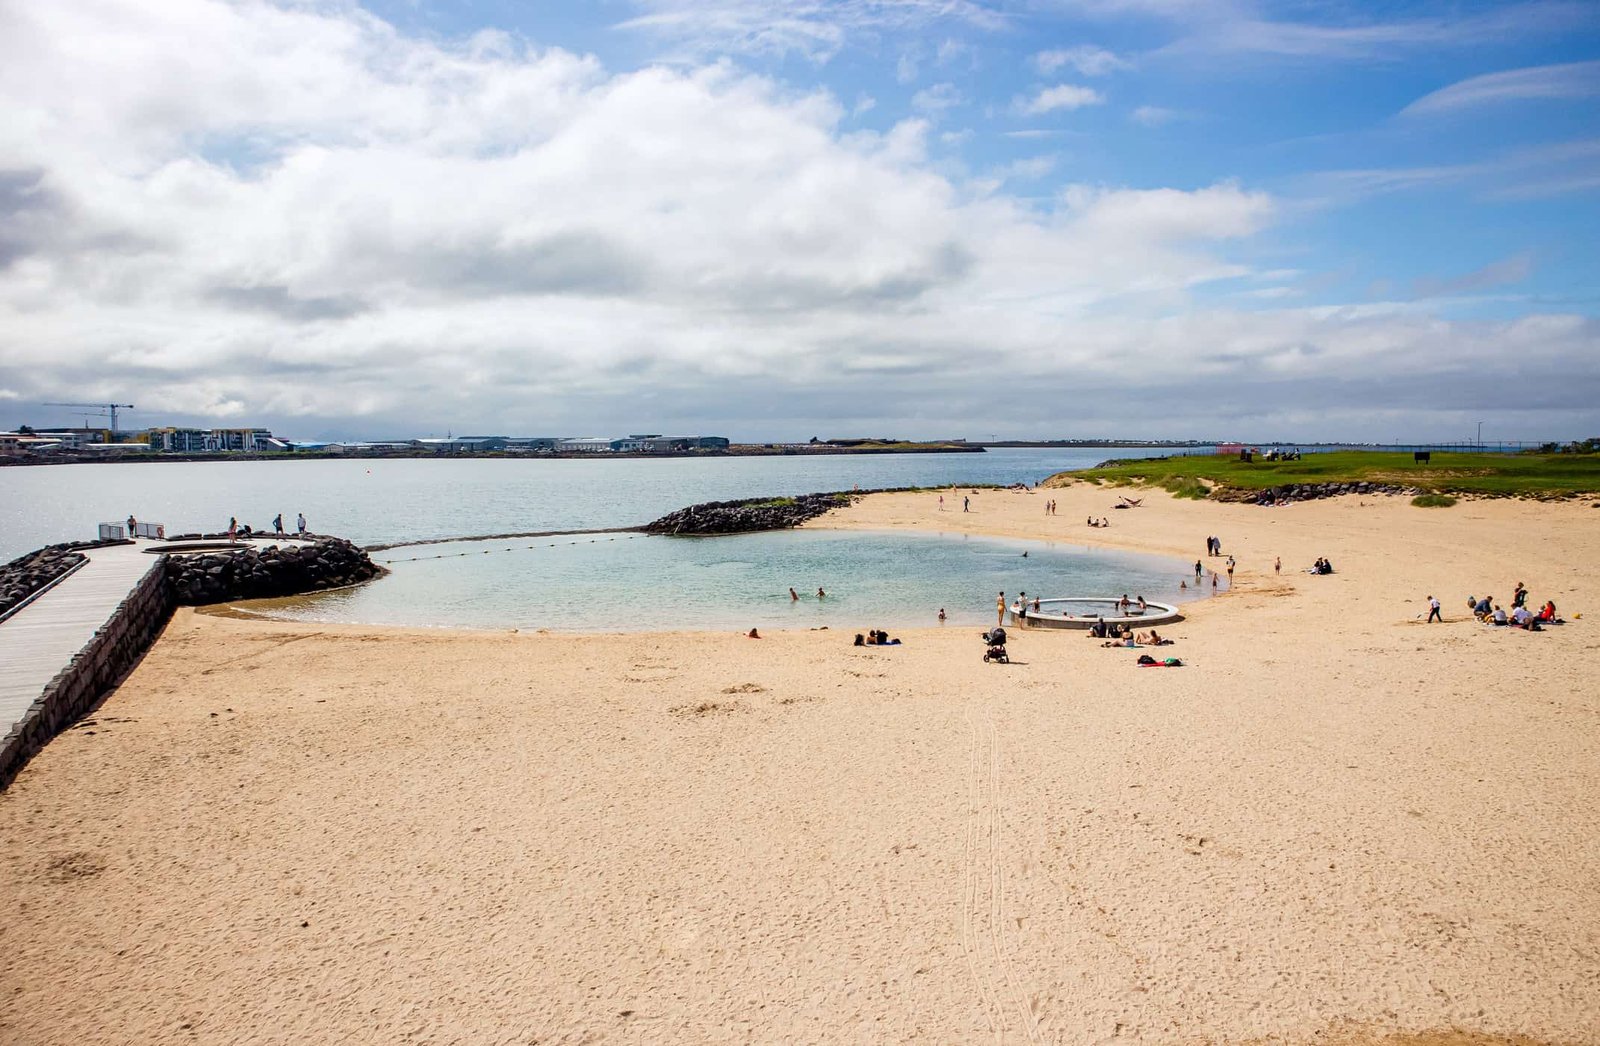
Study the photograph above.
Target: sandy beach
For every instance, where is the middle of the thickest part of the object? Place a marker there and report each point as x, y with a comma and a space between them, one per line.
1334, 824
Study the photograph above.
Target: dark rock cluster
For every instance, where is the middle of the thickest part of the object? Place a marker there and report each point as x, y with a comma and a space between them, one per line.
1291, 492
748, 516
282, 570
25, 575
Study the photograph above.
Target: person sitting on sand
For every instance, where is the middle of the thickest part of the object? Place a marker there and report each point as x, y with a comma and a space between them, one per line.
1484, 607
752, 634
1499, 616
860, 639
1547, 613
1522, 617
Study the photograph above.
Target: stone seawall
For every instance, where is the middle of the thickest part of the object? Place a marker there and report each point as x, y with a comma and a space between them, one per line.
1292, 492
282, 570
193, 579
115, 648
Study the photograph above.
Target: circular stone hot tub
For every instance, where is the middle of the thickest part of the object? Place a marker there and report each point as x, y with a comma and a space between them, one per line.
1084, 611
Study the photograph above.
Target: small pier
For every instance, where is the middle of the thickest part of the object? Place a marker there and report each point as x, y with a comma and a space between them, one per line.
73, 623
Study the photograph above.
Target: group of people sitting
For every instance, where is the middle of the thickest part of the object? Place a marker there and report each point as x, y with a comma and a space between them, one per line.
1321, 566
1490, 612
1122, 635
1101, 522
876, 637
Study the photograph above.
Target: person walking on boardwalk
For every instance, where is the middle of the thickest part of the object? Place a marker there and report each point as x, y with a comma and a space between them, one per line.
1433, 611
300, 523
277, 524
132, 525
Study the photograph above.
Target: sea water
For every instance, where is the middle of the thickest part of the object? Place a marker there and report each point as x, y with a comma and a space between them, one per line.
605, 582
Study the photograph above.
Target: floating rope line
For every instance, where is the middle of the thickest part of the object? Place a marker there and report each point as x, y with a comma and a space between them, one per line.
508, 548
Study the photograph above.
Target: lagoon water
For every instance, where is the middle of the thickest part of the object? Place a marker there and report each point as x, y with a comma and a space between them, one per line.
629, 583
633, 582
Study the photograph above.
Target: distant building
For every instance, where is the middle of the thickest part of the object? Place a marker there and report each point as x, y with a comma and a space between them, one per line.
15, 444
537, 444
74, 438
211, 441
654, 444
586, 445
459, 444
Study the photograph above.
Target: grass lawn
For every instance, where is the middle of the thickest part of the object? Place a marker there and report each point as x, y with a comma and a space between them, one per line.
1493, 474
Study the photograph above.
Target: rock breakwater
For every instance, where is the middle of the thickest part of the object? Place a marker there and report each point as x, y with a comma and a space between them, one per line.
747, 516
278, 570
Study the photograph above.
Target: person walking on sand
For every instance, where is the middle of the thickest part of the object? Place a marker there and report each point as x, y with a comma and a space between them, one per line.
300, 523
966, 504
1277, 564
1433, 611
1000, 609
1230, 571
941, 502
1213, 580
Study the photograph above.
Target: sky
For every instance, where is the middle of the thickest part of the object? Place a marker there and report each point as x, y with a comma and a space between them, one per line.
1211, 219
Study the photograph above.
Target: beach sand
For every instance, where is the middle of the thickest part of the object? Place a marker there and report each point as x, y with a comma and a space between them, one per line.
1335, 824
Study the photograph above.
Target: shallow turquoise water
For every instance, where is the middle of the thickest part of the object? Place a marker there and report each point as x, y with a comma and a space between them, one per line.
628, 582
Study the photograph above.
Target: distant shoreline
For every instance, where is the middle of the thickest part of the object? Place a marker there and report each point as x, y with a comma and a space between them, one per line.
736, 451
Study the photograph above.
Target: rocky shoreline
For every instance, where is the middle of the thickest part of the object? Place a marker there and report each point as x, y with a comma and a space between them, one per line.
1292, 492
282, 570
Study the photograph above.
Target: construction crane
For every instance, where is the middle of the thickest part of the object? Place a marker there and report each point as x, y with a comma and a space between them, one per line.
107, 410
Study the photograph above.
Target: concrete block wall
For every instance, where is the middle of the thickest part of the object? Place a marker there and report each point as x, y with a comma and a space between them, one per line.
115, 648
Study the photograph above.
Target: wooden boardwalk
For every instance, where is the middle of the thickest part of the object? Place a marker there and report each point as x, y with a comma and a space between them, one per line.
40, 640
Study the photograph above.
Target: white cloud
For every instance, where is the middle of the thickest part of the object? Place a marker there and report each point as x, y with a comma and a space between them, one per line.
936, 99
324, 218
1572, 80
813, 29
1061, 96
1153, 115
1086, 60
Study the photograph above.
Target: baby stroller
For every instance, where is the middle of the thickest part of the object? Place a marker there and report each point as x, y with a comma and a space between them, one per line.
996, 638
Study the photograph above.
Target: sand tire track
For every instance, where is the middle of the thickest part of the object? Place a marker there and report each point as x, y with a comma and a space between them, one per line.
977, 964
997, 942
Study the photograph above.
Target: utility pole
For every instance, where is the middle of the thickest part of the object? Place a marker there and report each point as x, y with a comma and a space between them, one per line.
1480, 435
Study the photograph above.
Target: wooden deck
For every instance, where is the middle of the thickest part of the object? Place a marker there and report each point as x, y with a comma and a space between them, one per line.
40, 640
